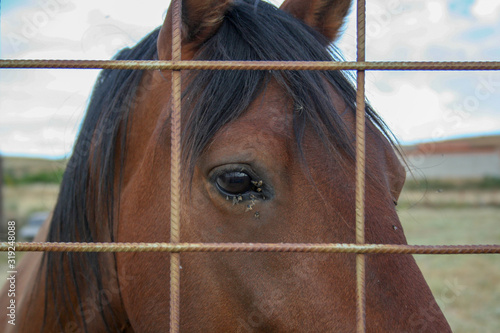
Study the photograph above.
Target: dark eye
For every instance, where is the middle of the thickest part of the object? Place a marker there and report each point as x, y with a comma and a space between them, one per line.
234, 182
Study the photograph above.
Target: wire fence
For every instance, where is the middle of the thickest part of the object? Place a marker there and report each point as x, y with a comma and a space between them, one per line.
253, 247
174, 246
254, 65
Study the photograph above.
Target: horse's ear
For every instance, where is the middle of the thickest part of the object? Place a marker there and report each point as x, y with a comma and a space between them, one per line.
200, 20
325, 16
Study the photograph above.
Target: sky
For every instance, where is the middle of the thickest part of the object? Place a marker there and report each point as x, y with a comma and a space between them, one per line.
41, 110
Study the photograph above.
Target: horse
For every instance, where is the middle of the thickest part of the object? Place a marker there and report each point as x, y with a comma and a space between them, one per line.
267, 156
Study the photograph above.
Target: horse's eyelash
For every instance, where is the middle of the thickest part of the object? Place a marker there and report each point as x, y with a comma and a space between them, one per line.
230, 169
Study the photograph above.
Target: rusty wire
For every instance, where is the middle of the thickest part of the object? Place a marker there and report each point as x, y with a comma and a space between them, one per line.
252, 247
175, 170
360, 171
252, 65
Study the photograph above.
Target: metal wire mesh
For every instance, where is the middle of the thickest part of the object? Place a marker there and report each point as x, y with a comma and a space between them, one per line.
175, 173
252, 247
254, 65
360, 171
174, 247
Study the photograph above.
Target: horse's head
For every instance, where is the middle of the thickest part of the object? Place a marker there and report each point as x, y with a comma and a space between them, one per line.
267, 157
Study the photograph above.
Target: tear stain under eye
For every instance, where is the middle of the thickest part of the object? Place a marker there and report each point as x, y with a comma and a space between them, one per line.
249, 207
252, 203
257, 183
237, 199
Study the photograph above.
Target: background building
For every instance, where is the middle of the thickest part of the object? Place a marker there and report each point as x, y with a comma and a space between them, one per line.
467, 158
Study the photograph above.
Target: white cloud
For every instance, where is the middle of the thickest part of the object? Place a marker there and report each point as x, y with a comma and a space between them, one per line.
421, 105
486, 10
436, 10
36, 103
42, 109
407, 107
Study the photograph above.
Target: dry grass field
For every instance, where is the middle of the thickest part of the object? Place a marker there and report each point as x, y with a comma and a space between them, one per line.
20, 166
23, 200
467, 287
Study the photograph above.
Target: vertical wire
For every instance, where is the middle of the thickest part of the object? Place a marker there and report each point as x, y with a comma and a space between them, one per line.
175, 167
360, 172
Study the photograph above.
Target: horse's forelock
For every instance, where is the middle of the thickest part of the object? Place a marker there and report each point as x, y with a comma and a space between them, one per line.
249, 33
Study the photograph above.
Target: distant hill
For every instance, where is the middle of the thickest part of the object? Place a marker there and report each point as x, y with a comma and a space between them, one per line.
479, 143
493, 141
22, 170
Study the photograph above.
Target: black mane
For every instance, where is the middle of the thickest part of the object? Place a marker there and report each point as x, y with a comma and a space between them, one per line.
85, 202
251, 30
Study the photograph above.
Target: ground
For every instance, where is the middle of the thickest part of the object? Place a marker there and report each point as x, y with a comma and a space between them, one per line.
465, 286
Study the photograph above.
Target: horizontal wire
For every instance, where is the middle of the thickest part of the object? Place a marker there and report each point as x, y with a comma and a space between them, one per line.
249, 247
250, 65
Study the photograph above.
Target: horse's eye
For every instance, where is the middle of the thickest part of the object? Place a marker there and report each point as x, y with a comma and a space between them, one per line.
234, 182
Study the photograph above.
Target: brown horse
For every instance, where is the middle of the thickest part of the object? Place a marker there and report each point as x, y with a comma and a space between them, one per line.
268, 157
